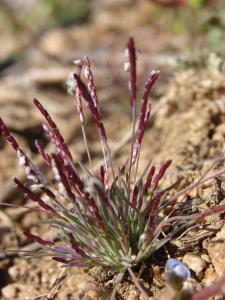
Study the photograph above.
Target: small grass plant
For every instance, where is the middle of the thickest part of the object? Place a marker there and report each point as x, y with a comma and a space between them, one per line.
112, 217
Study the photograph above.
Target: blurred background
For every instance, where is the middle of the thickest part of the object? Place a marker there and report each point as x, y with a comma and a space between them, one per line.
39, 39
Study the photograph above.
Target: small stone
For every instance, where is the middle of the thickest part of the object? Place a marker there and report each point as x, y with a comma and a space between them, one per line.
9, 291
195, 263
91, 295
216, 252
206, 258
209, 276
14, 272
207, 83
54, 42
167, 294
133, 294
156, 271
91, 290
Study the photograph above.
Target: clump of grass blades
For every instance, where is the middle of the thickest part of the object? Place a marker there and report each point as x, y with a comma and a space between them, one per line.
107, 218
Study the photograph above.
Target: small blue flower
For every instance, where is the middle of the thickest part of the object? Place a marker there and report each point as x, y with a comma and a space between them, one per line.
177, 267
171, 264
176, 273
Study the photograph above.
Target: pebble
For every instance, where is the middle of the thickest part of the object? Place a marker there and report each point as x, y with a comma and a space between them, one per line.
14, 272
206, 258
207, 83
216, 252
209, 276
54, 42
133, 294
9, 292
195, 263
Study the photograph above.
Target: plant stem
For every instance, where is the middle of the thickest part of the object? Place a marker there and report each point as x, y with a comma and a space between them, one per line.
137, 284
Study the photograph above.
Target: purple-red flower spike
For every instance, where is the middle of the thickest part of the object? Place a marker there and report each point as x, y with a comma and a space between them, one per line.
147, 115
60, 259
74, 179
31, 170
43, 153
77, 93
147, 90
75, 245
144, 113
132, 68
91, 202
37, 239
149, 228
102, 174
91, 104
31, 195
58, 137
8, 136
133, 195
91, 86
155, 204
61, 178
160, 173
149, 177
79, 106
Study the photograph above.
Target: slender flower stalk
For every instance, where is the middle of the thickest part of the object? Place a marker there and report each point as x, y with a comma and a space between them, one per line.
89, 95
130, 65
74, 90
43, 153
210, 291
144, 113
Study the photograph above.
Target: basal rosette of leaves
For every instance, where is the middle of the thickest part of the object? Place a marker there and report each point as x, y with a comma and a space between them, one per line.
111, 217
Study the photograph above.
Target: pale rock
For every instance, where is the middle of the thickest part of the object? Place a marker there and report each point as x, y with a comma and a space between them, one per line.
9, 291
133, 294
216, 251
207, 83
195, 263
206, 258
54, 42
14, 272
209, 276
